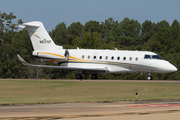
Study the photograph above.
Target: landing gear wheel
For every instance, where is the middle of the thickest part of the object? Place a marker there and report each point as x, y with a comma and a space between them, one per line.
78, 76
149, 77
94, 76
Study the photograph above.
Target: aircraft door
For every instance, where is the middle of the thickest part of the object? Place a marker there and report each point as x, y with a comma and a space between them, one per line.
66, 55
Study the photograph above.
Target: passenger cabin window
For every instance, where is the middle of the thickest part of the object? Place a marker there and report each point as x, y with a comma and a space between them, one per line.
130, 58
112, 57
136, 59
88, 56
118, 58
147, 57
100, 57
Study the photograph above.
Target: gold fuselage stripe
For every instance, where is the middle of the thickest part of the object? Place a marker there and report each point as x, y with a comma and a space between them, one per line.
51, 54
76, 59
82, 60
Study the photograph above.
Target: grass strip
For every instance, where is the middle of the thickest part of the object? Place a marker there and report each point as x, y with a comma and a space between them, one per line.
13, 92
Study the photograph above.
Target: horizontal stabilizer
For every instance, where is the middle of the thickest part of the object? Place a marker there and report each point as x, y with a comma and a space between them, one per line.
24, 24
64, 67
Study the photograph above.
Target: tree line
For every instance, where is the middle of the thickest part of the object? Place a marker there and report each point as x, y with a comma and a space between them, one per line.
128, 34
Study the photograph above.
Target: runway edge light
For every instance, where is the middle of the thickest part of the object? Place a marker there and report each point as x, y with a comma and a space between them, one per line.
136, 94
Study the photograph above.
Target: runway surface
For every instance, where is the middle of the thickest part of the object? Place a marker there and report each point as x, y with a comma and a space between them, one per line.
87, 80
166, 109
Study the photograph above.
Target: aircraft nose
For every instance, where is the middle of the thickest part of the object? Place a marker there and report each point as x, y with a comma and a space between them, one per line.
172, 68
165, 67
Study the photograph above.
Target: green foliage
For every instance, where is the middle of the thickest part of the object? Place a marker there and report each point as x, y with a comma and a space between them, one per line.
74, 30
60, 34
175, 23
127, 34
88, 40
147, 33
92, 26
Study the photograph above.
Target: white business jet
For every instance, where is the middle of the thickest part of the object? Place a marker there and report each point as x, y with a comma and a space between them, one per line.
92, 61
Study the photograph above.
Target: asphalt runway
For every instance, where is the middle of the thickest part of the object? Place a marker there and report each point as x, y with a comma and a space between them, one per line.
90, 80
126, 110
138, 110
140, 81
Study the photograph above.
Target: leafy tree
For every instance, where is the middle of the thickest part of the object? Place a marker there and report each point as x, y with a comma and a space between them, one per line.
130, 33
6, 34
114, 37
21, 44
60, 34
75, 30
175, 24
130, 28
163, 24
92, 26
106, 27
147, 28
90, 41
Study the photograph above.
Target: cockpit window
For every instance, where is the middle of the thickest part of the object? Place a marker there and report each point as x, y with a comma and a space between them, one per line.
147, 57
156, 57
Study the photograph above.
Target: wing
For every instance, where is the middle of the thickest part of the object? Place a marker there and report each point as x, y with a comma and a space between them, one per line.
88, 70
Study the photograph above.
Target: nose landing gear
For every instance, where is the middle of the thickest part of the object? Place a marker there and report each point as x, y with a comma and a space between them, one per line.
149, 77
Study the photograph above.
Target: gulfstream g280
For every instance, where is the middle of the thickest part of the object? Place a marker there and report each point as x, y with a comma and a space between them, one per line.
92, 61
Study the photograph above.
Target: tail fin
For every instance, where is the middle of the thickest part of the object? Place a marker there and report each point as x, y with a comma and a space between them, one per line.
39, 37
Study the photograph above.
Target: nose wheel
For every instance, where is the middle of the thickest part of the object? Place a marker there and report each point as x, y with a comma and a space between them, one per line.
149, 77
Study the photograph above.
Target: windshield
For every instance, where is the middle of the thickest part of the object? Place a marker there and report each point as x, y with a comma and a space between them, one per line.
156, 57
147, 56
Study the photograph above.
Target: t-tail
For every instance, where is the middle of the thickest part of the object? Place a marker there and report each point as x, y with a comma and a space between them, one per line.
39, 37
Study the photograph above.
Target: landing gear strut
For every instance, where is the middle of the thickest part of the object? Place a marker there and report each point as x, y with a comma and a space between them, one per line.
149, 77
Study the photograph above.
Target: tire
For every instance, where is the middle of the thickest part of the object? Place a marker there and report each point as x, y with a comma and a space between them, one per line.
78, 76
149, 78
94, 76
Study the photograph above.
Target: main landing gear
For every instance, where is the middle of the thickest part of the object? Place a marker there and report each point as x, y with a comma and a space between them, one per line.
149, 77
80, 76
94, 76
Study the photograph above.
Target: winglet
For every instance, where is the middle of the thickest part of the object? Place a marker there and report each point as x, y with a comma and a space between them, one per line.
22, 60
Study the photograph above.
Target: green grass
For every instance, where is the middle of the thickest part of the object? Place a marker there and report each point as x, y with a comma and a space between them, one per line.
39, 92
